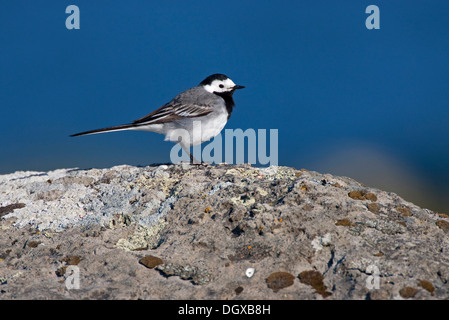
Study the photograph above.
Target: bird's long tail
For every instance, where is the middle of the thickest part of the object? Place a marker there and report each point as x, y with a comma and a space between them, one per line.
109, 129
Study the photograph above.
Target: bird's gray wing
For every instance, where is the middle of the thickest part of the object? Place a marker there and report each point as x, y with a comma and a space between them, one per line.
188, 104
173, 111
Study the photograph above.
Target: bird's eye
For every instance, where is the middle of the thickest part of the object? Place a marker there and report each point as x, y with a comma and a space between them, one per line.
221, 86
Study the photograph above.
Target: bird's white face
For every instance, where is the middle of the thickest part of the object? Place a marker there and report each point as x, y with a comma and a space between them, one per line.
221, 86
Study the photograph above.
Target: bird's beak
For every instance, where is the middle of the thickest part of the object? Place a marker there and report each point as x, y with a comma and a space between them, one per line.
238, 87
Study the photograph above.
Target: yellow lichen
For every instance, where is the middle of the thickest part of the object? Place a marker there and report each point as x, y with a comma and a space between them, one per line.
243, 172
246, 202
165, 184
143, 237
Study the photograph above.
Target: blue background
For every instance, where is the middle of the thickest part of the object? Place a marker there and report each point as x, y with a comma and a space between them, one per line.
369, 104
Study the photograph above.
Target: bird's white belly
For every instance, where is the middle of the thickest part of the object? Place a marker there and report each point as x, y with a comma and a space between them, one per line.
209, 129
194, 131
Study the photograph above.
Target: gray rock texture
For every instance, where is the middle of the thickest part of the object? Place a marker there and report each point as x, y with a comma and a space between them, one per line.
214, 232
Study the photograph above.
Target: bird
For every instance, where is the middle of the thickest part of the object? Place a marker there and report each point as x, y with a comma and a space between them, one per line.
192, 117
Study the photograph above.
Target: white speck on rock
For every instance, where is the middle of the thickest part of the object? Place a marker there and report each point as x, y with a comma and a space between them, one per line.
319, 242
250, 272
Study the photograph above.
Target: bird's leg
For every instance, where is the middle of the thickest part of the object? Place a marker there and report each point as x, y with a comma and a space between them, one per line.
192, 158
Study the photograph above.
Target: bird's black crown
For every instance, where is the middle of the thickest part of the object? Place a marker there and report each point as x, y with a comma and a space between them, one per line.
211, 78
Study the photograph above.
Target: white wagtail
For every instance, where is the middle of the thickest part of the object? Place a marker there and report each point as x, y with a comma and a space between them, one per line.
192, 117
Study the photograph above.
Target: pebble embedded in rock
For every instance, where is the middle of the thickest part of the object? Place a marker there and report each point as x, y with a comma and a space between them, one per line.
314, 279
151, 261
344, 222
373, 207
427, 285
443, 224
61, 271
408, 292
238, 290
72, 260
406, 212
362, 195
10, 208
279, 280
33, 244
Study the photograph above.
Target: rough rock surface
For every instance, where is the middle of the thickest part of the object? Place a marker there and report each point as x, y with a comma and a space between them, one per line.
214, 232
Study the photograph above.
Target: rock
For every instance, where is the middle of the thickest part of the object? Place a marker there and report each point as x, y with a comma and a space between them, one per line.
308, 235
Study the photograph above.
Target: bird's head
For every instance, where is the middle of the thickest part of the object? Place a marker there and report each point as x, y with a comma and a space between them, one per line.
219, 84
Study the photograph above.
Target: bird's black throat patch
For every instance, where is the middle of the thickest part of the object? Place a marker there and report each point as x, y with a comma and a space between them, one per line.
229, 101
